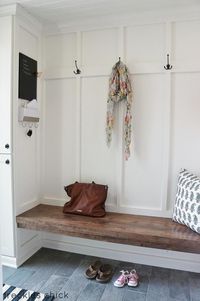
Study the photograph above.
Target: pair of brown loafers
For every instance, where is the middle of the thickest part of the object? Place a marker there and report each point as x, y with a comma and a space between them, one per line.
101, 272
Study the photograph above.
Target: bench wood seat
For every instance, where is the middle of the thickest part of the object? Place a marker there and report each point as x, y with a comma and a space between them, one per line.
136, 230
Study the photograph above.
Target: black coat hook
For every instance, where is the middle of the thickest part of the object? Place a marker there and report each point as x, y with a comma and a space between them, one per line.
29, 133
78, 71
119, 61
168, 66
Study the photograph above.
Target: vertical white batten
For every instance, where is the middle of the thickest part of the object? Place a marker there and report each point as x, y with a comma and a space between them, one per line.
78, 105
166, 123
120, 141
43, 122
41, 128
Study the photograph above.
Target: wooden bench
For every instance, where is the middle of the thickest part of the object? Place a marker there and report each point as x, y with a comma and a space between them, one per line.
145, 231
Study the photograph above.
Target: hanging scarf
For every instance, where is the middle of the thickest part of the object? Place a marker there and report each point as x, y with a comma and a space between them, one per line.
119, 90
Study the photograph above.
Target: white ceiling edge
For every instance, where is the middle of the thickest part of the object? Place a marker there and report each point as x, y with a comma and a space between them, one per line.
27, 17
19, 11
8, 10
128, 19
182, 14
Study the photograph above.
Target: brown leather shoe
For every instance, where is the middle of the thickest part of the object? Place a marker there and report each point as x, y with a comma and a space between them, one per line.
92, 271
104, 273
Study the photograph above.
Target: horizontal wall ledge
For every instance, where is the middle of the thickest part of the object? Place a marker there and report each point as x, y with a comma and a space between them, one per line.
114, 208
61, 73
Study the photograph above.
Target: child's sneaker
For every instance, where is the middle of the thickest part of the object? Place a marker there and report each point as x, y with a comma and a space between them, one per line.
122, 280
133, 278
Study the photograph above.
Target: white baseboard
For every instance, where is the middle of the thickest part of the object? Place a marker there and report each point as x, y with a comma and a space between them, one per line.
54, 202
148, 256
27, 206
25, 249
9, 261
15, 262
29, 242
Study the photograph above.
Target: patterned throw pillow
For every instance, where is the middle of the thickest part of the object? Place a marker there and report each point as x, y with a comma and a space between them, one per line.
187, 204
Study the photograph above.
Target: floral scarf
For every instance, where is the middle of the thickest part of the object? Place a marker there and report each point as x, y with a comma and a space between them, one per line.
119, 90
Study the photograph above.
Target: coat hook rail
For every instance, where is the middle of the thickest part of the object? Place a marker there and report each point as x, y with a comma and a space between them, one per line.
78, 71
168, 66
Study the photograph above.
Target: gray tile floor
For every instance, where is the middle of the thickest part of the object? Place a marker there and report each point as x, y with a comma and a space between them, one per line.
62, 274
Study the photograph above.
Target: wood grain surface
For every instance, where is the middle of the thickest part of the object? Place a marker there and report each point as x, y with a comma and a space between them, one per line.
145, 231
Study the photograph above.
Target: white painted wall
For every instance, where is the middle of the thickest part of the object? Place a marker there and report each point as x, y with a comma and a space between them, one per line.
20, 180
27, 150
165, 113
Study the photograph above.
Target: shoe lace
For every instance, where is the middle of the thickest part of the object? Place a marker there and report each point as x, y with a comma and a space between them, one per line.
124, 275
133, 275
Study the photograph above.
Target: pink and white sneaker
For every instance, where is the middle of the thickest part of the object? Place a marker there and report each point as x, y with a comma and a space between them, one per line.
133, 278
123, 279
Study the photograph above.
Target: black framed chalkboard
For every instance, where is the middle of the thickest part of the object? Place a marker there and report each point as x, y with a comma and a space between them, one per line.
27, 77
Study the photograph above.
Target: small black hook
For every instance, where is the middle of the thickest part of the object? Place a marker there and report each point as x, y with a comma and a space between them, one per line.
119, 61
29, 133
78, 71
168, 66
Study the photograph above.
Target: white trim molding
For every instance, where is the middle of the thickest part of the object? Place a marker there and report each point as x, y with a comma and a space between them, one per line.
8, 10
27, 255
113, 208
27, 206
127, 19
9, 261
15, 262
148, 256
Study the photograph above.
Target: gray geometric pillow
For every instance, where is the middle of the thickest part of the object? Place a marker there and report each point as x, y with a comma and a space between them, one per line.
187, 204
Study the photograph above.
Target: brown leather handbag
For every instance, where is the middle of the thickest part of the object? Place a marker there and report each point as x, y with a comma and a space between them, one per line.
86, 199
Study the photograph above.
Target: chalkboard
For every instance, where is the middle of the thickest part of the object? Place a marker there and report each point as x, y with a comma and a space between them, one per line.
27, 77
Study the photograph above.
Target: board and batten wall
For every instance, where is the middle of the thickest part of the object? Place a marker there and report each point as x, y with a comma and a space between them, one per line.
69, 144
166, 106
166, 125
